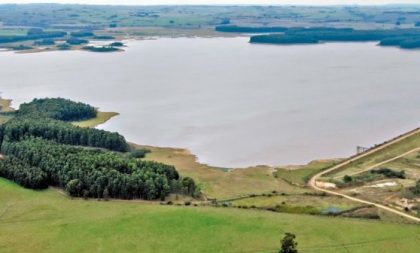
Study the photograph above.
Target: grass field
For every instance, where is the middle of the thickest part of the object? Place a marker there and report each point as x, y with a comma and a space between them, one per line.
321, 204
12, 31
5, 105
101, 118
300, 175
389, 152
222, 183
47, 221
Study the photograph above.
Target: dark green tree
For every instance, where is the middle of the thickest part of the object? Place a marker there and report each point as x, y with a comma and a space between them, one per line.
288, 244
347, 179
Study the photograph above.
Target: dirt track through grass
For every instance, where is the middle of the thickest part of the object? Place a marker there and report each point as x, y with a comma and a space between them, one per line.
313, 180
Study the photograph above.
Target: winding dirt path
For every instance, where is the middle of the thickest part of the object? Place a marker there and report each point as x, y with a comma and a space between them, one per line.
313, 181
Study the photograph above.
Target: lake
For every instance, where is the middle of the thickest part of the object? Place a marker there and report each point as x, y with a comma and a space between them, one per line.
231, 103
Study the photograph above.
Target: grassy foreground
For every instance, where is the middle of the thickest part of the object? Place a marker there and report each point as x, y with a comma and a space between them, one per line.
48, 221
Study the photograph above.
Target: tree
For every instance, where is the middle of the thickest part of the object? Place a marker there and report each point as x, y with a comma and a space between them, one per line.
105, 195
73, 187
347, 179
288, 244
188, 185
415, 189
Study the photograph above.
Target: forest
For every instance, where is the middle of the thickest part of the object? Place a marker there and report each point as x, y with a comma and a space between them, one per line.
42, 151
403, 38
32, 34
248, 29
59, 109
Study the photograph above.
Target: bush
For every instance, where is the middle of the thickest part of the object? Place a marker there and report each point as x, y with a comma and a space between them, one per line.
389, 173
347, 179
139, 153
116, 44
64, 46
415, 190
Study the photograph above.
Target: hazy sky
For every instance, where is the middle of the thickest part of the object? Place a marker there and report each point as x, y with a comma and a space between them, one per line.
149, 2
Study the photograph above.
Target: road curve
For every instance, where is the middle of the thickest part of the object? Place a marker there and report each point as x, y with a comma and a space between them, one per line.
313, 180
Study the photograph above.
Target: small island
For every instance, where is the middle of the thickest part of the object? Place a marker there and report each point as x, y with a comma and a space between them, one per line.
101, 49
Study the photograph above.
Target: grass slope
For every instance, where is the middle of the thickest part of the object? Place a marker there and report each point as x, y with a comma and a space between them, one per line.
5, 105
322, 204
301, 175
391, 151
47, 221
222, 183
100, 118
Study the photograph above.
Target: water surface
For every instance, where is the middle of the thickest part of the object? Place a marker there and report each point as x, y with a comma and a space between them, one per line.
233, 103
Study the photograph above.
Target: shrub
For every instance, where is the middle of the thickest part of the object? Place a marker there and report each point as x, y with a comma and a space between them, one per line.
347, 179
139, 153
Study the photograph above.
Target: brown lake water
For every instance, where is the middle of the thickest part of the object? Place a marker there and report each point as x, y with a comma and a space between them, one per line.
232, 103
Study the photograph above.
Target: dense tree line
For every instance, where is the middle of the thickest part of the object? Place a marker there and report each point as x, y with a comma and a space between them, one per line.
103, 37
82, 34
282, 39
22, 173
87, 172
22, 127
45, 118
59, 109
32, 36
388, 173
410, 43
44, 42
250, 29
41, 151
404, 38
76, 41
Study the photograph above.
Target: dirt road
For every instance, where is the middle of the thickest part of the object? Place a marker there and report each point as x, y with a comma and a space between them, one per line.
313, 181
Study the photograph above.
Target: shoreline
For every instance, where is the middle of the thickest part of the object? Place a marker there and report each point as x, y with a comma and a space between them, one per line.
144, 33
104, 117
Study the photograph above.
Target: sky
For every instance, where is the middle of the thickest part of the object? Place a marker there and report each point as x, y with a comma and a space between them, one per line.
220, 2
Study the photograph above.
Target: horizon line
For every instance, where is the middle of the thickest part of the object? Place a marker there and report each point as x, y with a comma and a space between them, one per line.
221, 5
